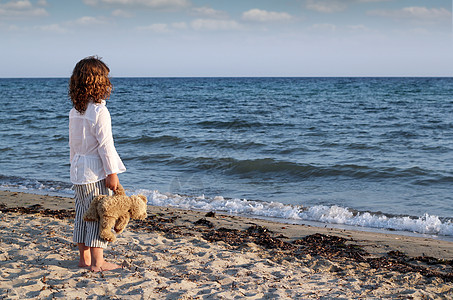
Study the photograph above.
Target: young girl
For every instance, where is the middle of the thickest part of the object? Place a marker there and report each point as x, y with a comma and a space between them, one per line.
94, 160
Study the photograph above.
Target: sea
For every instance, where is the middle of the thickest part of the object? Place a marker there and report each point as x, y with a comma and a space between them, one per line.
373, 154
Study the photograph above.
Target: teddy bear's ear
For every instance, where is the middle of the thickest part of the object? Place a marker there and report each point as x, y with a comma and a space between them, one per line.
143, 198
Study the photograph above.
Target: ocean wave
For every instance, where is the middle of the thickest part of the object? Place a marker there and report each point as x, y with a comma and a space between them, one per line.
426, 224
145, 139
269, 166
236, 124
227, 144
335, 215
33, 185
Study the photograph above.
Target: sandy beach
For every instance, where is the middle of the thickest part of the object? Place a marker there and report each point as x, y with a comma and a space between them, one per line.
178, 254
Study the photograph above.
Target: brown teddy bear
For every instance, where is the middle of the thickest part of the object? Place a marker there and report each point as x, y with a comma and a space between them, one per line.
115, 211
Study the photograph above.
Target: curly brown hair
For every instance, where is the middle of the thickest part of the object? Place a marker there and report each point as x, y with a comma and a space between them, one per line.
89, 82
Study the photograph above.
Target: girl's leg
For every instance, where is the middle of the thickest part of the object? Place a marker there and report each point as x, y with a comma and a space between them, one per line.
80, 227
87, 233
97, 261
85, 255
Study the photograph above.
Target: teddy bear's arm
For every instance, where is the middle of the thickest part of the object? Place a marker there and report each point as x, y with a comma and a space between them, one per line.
106, 225
121, 223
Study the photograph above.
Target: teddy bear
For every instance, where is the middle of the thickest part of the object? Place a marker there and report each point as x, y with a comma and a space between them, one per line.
115, 211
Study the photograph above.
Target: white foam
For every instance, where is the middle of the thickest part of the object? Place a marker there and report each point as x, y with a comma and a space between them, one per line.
35, 187
426, 224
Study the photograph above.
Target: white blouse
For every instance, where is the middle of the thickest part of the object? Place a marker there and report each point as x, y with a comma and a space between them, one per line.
92, 152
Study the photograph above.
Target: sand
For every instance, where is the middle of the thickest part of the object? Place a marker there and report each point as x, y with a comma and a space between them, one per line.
178, 254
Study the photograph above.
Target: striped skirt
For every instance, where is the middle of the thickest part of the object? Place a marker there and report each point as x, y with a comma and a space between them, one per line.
88, 232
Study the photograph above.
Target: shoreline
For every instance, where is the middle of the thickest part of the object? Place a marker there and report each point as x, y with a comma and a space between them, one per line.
415, 244
187, 254
64, 201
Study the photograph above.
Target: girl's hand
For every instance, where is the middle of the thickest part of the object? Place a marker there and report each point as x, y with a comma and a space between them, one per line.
112, 181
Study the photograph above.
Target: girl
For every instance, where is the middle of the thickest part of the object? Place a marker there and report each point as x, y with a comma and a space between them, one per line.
94, 160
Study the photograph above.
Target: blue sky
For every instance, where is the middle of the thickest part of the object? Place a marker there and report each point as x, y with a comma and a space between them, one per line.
45, 38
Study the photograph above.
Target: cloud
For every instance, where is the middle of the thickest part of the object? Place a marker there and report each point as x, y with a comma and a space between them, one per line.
54, 28
333, 6
163, 27
147, 3
326, 6
18, 5
416, 13
10, 27
179, 25
259, 15
369, 1
198, 25
91, 2
88, 21
156, 28
215, 25
21, 8
358, 28
50, 28
209, 12
121, 13
323, 27
70, 26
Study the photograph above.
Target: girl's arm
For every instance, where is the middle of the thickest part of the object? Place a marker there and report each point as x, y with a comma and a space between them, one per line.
110, 159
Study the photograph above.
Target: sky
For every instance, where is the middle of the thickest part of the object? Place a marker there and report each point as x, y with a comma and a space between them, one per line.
181, 38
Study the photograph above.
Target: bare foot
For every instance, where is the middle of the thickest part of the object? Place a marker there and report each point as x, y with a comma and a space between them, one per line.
106, 266
84, 264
